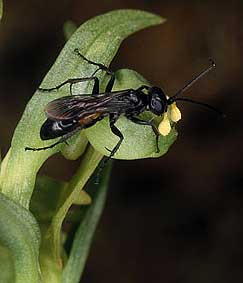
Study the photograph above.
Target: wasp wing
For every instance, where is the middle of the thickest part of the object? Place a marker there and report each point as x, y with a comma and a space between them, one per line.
78, 106
70, 107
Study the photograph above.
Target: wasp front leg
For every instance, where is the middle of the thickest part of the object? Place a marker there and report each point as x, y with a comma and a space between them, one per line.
146, 123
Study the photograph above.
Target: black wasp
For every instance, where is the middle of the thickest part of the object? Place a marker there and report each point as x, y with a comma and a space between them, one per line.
69, 114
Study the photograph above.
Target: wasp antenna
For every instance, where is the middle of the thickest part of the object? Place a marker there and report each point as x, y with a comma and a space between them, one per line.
190, 83
212, 62
202, 104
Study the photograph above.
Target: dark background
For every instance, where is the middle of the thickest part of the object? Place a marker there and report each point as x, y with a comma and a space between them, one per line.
173, 219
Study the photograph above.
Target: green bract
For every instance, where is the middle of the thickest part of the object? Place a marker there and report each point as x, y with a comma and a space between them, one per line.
98, 39
30, 259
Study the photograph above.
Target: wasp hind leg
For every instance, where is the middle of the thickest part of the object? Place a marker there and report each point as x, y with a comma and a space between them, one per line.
61, 140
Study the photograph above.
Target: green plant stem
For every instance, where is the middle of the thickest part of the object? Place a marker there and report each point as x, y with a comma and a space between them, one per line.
90, 216
88, 165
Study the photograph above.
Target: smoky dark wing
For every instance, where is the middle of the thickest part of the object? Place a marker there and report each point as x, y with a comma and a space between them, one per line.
77, 106
69, 107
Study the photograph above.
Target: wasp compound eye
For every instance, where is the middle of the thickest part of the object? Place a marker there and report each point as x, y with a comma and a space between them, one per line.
157, 105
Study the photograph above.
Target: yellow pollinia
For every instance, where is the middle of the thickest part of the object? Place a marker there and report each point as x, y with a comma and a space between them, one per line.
172, 115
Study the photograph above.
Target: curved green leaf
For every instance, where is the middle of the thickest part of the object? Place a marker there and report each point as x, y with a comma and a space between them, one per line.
97, 39
139, 141
83, 237
19, 233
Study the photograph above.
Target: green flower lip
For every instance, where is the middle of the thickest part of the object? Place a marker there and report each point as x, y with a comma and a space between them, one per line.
139, 141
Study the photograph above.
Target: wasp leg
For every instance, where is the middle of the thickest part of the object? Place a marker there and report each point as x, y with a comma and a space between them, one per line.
101, 66
147, 123
110, 84
115, 131
72, 82
113, 118
61, 140
107, 149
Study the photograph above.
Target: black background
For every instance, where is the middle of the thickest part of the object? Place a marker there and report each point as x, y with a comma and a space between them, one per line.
173, 219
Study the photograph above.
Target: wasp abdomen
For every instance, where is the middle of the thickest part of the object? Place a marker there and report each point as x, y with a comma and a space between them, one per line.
52, 129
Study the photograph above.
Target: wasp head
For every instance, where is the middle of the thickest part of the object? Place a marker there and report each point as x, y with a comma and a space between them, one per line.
160, 105
157, 101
